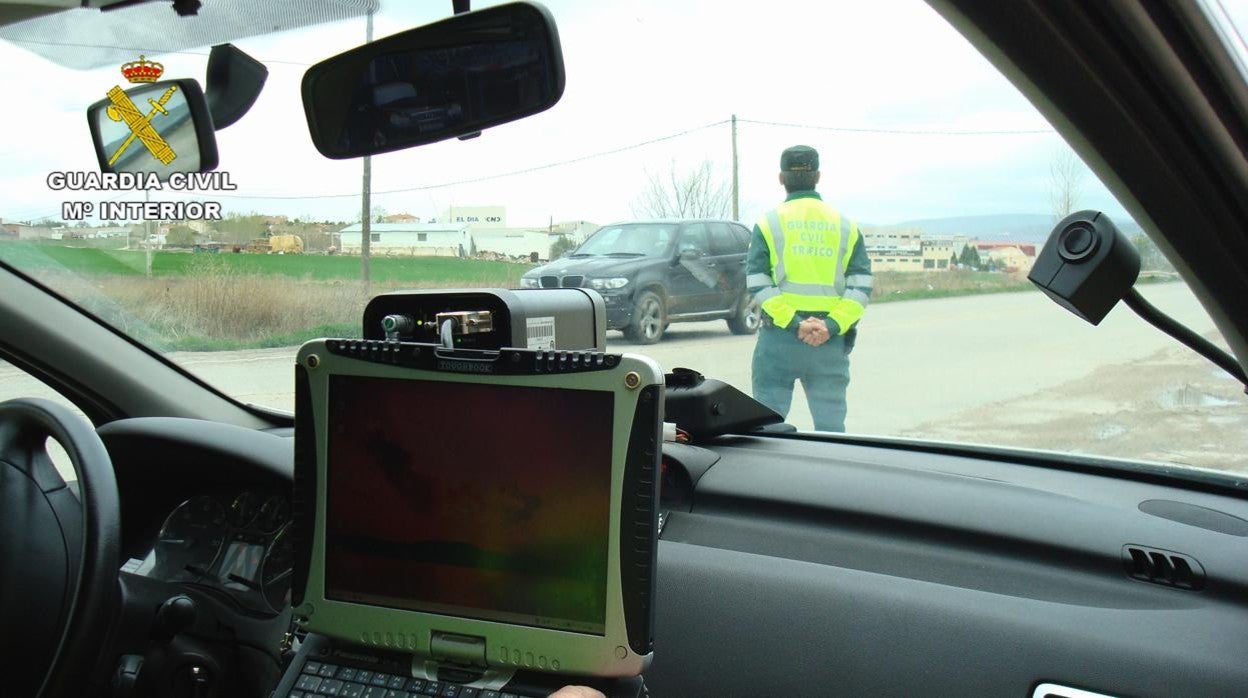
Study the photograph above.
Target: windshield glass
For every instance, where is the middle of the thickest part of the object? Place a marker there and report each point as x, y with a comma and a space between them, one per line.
951, 177
650, 239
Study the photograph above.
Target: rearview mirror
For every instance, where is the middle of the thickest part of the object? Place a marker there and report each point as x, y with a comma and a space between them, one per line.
451, 78
158, 127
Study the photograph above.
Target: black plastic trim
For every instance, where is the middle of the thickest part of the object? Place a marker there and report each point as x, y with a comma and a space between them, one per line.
505, 362
639, 520
273, 417
1154, 104
97, 409
303, 498
1154, 473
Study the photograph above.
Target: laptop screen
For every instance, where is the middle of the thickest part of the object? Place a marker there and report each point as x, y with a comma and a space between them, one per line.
475, 500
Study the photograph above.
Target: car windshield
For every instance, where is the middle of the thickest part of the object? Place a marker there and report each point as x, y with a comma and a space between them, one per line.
640, 239
951, 177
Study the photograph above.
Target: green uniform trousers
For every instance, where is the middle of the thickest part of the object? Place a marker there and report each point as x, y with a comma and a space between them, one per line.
780, 358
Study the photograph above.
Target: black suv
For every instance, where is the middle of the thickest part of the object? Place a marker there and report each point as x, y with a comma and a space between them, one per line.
652, 273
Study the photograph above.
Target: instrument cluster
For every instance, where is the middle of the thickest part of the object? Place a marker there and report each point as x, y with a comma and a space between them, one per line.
239, 545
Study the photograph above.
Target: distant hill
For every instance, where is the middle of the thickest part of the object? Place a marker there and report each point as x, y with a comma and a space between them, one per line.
1023, 227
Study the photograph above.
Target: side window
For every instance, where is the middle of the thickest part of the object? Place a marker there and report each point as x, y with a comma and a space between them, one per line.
723, 241
695, 237
14, 382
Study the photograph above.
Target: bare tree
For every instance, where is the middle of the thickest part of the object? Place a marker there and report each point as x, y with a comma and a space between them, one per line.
1066, 174
696, 193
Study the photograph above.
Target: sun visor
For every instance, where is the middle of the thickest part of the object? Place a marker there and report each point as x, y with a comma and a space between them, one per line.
100, 38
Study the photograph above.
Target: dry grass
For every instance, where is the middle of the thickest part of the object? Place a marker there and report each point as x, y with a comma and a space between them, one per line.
217, 306
899, 285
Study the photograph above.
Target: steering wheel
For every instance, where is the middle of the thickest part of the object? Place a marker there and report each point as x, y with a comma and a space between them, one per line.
59, 554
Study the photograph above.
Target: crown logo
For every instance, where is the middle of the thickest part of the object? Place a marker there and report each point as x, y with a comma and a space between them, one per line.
142, 70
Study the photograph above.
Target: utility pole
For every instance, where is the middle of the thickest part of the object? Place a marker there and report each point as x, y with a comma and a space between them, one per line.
366, 204
736, 215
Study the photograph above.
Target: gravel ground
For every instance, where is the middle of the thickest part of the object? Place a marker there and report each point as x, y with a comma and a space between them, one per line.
1172, 407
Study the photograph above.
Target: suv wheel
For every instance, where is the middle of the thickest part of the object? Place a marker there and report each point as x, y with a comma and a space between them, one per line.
747, 317
649, 319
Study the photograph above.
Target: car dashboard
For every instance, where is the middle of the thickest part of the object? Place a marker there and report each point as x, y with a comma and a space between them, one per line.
206, 554
234, 544
885, 569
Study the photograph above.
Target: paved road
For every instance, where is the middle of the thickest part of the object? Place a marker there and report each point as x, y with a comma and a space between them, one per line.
921, 368
919, 361
915, 361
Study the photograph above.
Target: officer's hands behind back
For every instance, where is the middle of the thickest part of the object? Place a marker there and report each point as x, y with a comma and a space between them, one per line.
813, 331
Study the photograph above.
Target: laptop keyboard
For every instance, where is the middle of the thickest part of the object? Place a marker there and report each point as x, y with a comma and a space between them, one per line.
325, 680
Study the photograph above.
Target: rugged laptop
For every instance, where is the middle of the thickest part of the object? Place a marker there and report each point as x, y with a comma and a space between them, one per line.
473, 523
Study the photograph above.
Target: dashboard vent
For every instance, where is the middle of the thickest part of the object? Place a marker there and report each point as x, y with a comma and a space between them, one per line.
1163, 567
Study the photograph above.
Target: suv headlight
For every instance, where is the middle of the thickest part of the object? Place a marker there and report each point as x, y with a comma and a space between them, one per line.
529, 282
606, 284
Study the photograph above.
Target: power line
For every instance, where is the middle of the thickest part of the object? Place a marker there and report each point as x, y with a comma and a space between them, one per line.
897, 131
634, 146
474, 180
428, 187
621, 149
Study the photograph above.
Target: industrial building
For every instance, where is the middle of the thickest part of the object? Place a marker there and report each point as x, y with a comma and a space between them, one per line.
937, 253
894, 250
1008, 256
462, 231
409, 239
910, 251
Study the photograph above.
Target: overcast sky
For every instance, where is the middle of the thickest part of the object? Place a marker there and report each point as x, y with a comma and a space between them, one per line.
636, 71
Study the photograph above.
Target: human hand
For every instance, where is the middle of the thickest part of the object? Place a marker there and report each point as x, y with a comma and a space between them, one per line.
813, 331
577, 692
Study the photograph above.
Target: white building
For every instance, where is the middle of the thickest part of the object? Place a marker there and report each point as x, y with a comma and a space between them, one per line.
408, 239
476, 216
894, 250
512, 242
111, 231
28, 232
893, 242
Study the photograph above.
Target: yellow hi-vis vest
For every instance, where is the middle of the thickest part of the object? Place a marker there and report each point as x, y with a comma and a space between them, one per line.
810, 245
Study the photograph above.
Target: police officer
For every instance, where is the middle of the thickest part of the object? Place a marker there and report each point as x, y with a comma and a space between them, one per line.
808, 269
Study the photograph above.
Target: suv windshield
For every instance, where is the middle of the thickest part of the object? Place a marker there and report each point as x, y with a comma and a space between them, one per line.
642, 239
948, 177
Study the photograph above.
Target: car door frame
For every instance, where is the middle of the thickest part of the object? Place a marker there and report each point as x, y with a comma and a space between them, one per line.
730, 264
687, 293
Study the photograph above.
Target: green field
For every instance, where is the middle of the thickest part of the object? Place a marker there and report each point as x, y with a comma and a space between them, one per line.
428, 271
